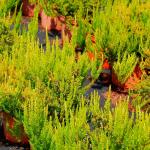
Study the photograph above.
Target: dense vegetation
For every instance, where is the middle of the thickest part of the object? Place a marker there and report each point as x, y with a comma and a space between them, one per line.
45, 88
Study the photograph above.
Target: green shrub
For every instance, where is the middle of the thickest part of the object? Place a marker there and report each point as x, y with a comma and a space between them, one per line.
123, 68
45, 133
88, 127
6, 38
50, 7
6, 6
55, 68
142, 94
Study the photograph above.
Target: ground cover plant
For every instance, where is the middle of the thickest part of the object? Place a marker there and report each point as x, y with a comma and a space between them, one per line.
6, 38
43, 89
125, 67
58, 79
110, 129
7, 5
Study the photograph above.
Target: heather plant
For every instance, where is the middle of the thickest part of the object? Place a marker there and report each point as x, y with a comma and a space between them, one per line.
56, 69
96, 18
45, 88
98, 128
11, 86
142, 92
68, 8
6, 38
6, 6
117, 130
71, 8
123, 68
66, 77
88, 7
142, 96
80, 34
33, 1
33, 25
9, 30
60, 7
14, 74
36, 118
135, 24
70, 134
100, 26
50, 7
107, 26
144, 14
16, 22
147, 59
116, 22
15, 108
80, 30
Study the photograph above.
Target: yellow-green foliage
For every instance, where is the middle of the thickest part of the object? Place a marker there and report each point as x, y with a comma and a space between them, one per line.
45, 88
6, 6
121, 131
147, 59
142, 94
121, 26
33, 1
55, 68
69, 134
88, 127
123, 68
143, 88
6, 38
